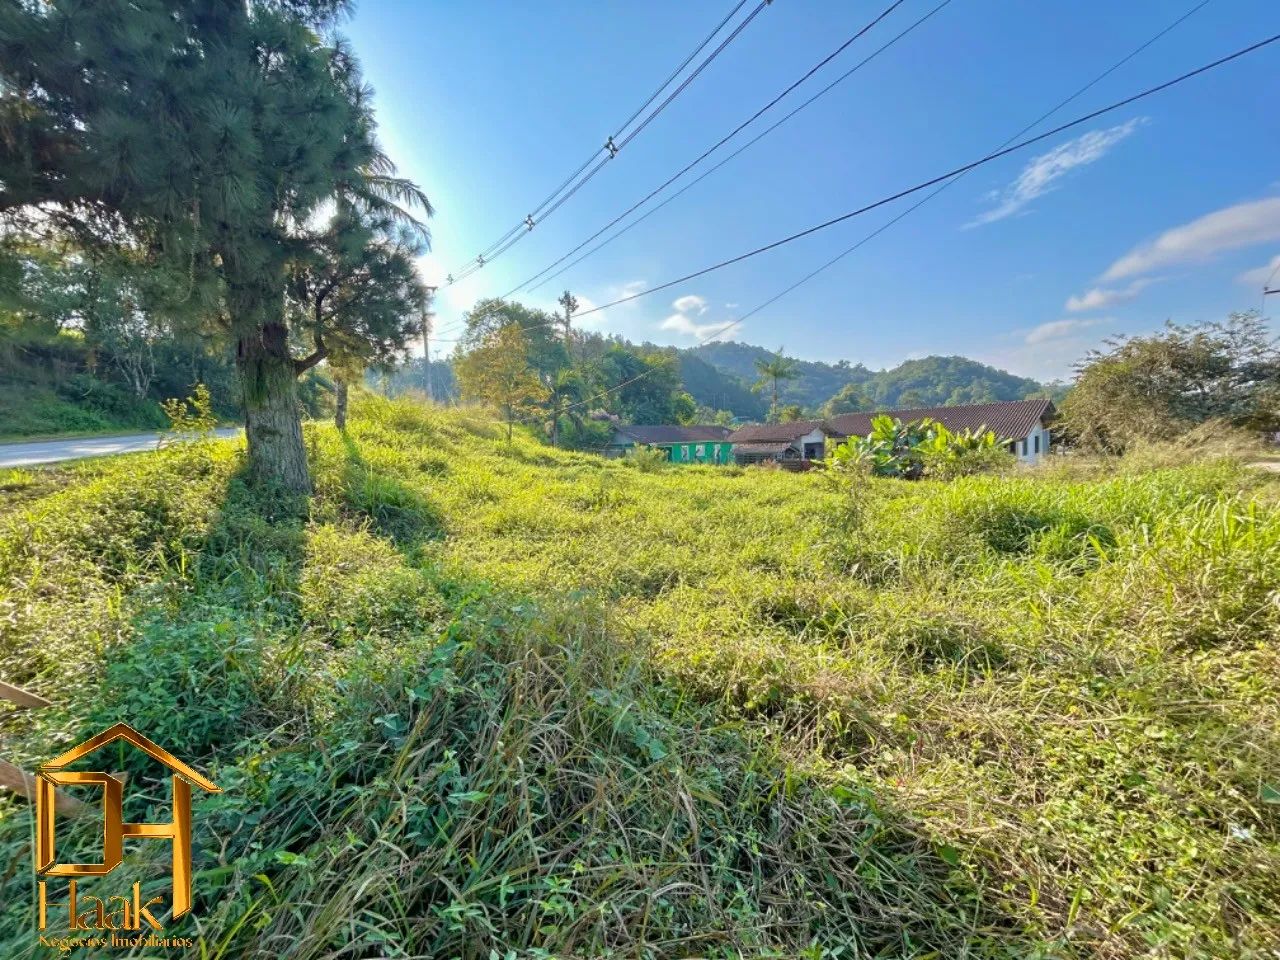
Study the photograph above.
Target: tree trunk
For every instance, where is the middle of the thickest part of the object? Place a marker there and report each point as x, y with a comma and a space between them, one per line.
269, 382
340, 406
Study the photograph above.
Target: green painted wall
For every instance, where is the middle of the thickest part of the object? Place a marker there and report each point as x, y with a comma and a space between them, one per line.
701, 452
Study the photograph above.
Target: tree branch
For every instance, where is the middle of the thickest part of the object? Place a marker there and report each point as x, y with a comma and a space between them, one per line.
309, 361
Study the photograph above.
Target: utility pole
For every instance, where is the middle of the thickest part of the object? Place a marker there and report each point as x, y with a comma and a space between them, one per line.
570, 304
427, 316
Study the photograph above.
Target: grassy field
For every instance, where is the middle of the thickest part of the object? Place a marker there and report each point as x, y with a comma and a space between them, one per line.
484, 700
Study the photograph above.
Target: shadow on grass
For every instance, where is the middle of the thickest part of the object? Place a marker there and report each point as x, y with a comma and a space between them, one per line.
393, 509
511, 779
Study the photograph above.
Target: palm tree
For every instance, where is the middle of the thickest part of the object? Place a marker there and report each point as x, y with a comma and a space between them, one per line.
772, 372
565, 389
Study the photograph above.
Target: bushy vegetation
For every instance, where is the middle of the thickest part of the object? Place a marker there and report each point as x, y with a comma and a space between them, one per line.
484, 699
61, 382
168, 189
1161, 387
920, 448
46, 387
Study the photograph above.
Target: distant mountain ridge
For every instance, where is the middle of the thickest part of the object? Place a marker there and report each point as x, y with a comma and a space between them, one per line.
924, 382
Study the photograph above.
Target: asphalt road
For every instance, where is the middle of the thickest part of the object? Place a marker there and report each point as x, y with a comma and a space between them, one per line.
52, 451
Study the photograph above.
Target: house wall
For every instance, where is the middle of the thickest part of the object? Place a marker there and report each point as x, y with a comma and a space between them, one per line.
814, 436
702, 451
1026, 449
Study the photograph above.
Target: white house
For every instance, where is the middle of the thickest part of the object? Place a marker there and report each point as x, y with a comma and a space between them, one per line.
1023, 423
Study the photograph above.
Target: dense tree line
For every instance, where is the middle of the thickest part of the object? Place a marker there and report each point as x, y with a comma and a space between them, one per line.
535, 368
842, 387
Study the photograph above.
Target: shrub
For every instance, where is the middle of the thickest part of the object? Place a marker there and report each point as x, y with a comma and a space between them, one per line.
646, 458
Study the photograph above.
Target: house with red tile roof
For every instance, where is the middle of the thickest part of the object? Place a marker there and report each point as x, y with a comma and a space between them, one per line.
1023, 424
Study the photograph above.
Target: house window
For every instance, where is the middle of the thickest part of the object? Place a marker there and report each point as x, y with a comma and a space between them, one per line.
1037, 443
1024, 446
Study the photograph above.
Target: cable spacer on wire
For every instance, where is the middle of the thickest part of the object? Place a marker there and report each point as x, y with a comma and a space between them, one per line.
480, 259
612, 148
449, 278
528, 222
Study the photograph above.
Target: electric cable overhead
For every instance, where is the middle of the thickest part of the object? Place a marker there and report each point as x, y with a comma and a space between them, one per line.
1267, 289
586, 163
947, 180
944, 186
613, 144
721, 142
710, 170
954, 180
933, 181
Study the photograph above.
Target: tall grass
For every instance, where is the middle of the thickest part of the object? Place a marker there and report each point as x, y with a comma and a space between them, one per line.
482, 699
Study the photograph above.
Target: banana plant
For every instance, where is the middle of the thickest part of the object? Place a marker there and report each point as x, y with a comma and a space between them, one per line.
910, 450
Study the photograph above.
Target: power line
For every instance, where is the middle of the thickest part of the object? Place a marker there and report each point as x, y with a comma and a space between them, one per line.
1078, 93
706, 173
948, 179
953, 181
1267, 289
610, 148
965, 168
944, 186
613, 145
676, 72
693, 76
723, 140
653, 96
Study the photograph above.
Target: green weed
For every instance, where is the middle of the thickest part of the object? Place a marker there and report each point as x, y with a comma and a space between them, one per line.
484, 700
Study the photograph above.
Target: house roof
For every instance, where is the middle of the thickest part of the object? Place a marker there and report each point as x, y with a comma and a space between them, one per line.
671, 433
775, 432
1012, 420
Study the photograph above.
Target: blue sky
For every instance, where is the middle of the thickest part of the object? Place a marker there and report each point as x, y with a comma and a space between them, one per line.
1169, 209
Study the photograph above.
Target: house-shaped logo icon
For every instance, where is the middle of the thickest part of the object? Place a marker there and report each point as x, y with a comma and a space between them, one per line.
51, 775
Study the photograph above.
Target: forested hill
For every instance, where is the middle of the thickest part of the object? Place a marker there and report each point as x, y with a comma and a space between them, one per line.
928, 381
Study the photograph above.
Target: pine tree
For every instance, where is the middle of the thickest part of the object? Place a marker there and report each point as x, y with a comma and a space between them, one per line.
358, 293
210, 131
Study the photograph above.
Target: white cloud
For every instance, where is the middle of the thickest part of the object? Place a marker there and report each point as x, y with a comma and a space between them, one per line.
684, 321
1040, 174
681, 324
1049, 351
1100, 298
691, 303
1232, 228
1260, 276
1059, 330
